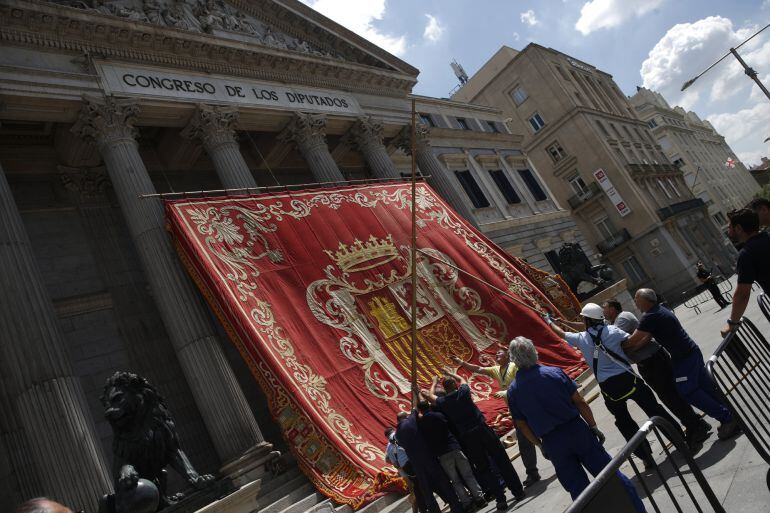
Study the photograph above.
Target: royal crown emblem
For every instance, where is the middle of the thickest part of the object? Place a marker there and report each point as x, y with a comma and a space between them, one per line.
361, 256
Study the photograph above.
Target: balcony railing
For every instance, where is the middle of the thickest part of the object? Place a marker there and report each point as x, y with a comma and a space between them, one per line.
677, 208
592, 192
614, 241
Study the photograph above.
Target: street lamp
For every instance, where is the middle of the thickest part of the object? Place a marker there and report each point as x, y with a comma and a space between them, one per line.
748, 70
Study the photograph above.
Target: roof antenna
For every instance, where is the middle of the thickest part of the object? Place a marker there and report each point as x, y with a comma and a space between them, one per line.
460, 73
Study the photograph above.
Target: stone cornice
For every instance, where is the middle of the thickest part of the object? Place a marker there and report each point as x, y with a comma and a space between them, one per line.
57, 27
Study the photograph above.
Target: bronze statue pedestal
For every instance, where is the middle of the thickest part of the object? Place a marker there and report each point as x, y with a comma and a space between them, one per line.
250, 466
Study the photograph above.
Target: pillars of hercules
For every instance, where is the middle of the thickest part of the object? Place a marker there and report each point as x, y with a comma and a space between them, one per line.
222, 405
44, 396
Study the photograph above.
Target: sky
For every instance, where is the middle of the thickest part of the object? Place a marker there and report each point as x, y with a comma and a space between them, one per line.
658, 44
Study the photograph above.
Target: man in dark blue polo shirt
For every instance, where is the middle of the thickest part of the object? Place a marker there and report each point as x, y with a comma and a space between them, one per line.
692, 381
430, 477
479, 442
547, 407
753, 261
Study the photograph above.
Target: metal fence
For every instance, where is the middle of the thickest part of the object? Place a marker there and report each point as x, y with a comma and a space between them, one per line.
684, 488
764, 305
699, 295
741, 368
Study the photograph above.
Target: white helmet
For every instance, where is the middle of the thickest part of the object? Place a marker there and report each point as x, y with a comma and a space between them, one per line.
592, 311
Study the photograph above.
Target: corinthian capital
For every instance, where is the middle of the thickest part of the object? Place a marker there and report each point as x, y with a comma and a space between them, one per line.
404, 138
305, 130
365, 132
106, 119
212, 125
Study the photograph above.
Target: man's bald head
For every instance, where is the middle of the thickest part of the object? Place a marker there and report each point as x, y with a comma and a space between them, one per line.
42, 505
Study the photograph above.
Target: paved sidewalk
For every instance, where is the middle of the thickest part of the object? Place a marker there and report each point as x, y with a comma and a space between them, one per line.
733, 468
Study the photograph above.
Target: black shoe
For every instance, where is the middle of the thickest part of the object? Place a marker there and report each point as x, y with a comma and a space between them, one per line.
488, 496
480, 502
519, 497
729, 429
531, 479
695, 436
502, 505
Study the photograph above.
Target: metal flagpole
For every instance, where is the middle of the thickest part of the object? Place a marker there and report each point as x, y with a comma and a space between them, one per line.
414, 263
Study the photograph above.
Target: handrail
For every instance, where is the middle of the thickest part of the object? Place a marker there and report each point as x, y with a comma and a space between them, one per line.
653, 425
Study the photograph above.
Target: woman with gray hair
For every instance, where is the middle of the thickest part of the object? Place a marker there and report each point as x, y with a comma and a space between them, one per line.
548, 409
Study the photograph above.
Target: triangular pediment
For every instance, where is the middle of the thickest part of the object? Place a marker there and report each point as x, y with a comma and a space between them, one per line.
286, 25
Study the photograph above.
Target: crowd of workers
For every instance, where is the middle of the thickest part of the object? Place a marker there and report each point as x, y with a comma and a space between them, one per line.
445, 446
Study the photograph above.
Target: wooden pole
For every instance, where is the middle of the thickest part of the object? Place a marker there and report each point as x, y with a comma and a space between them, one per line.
414, 261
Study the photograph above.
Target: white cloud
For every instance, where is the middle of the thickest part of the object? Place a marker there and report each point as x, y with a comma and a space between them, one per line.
689, 48
599, 14
433, 29
529, 18
745, 130
360, 16
516, 35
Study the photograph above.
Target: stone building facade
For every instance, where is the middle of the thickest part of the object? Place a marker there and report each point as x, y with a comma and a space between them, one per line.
700, 152
601, 161
502, 190
103, 104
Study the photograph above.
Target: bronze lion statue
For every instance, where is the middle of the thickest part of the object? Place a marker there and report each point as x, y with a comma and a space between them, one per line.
145, 441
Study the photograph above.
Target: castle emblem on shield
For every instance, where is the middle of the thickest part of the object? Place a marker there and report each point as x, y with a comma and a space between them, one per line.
366, 293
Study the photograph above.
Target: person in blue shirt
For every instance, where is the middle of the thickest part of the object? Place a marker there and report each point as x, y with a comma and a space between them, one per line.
692, 381
430, 476
602, 350
480, 444
547, 407
396, 456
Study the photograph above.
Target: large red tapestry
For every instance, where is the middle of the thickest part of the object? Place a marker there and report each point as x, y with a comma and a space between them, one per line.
314, 289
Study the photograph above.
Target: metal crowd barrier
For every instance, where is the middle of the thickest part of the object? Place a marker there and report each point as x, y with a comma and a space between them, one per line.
764, 305
693, 298
741, 369
607, 493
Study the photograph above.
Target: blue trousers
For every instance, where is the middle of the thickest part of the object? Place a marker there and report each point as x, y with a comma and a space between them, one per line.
573, 449
696, 387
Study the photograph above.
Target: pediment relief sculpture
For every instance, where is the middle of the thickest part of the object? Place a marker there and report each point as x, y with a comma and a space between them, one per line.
214, 17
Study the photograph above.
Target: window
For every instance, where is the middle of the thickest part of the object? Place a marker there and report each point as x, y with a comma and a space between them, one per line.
553, 259
561, 72
628, 132
621, 155
472, 189
578, 185
532, 185
536, 122
673, 187
463, 123
602, 128
556, 152
634, 271
651, 123
605, 228
426, 119
509, 193
615, 129
493, 127
663, 186
519, 95
720, 218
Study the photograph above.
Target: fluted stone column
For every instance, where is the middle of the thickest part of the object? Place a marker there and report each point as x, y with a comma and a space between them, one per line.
214, 126
366, 137
439, 177
46, 397
308, 133
220, 401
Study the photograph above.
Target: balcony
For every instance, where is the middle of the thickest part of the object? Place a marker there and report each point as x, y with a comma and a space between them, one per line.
578, 200
677, 208
610, 243
652, 169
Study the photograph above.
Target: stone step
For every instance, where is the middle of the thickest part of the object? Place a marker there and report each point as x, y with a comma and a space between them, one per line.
270, 483
314, 502
286, 495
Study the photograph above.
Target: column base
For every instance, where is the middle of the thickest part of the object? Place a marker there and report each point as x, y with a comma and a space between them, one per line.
243, 500
251, 465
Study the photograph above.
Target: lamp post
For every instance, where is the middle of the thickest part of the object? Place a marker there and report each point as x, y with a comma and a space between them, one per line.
747, 69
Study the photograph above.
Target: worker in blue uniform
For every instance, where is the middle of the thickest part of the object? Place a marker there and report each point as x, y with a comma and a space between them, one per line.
430, 476
692, 381
551, 413
601, 346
